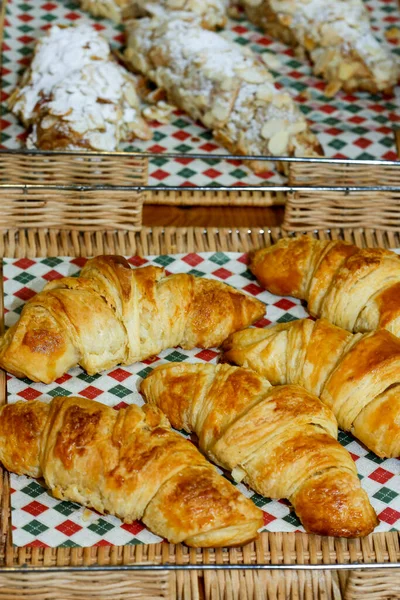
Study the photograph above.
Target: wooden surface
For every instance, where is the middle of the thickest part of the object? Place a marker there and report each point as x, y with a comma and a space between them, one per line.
210, 216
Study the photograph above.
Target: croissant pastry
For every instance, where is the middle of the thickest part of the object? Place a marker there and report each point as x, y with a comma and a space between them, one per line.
128, 463
281, 441
357, 376
357, 289
75, 95
221, 84
337, 36
113, 314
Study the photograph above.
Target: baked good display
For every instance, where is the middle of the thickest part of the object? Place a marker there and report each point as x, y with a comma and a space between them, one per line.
128, 463
337, 36
212, 13
281, 441
356, 375
221, 84
357, 289
114, 314
74, 95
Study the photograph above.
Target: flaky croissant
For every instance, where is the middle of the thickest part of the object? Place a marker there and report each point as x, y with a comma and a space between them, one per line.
281, 441
357, 289
356, 375
113, 314
127, 463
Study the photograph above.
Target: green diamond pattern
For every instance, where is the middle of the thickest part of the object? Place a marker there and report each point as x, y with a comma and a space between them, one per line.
196, 273
101, 527
33, 489
249, 275
345, 438
176, 356
186, 173
183, 148
66, 508
374, 458
59, 391
181, 123
24, 277
260, 501
144, 372
292, 519
219, 258
337, 144
385, 495
88, 378
286, 318
159, 162
120, 391
69, 544
164, 260
35, 527
51, 262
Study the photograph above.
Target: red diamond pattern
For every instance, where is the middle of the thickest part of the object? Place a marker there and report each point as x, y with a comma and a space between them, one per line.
24, 263
381, 475
268, 518
133, 528
35, 508
68, 527
206, 355
120, 405
63, 378
222, 273
253, 289
52, 275
80, 261
119, 374
160, 174
29, 394
284, 304
151, 360
91, 392
262, 323
137, 261
212, 173
72, 16
38, 544
192, 259
389, 515
25, 293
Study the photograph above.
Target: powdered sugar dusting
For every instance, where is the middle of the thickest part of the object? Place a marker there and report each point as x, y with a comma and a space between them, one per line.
73, 85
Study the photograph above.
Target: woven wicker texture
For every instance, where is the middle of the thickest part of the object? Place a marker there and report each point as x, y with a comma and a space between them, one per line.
215, 198
271, 548
308, 210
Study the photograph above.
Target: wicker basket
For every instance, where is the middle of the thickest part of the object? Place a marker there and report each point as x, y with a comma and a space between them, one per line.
83, 220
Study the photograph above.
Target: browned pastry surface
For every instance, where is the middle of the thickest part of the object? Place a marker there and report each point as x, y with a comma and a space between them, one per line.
354, 288
127, 463
113, 314
357, 376
281, 441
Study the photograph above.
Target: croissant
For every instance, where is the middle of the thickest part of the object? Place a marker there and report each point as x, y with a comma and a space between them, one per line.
221, 84
356, 375
128, 463
75, 95
281, 441
357, 289
114, 314
337, 36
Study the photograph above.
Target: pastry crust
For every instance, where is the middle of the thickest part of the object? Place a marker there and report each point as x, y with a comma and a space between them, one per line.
357, 376
279, 440
211, 13
129, 464
221, 84
338, 38
113, 314
354, 288
76, 96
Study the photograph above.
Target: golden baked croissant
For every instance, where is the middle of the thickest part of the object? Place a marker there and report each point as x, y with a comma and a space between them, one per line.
114, 314
357, 289
128, 463
280, 440
356, 375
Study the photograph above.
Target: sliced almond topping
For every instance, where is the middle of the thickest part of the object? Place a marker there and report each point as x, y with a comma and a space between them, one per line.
238, 474
297, 127
272, 127
278, 143
347, 70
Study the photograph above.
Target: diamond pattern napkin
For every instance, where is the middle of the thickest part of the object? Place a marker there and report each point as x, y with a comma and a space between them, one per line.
38, 519
348, 126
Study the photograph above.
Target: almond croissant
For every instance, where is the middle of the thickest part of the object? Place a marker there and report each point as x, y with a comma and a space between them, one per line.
113, 314
357, 376
127, 463
357, 289
281, 441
